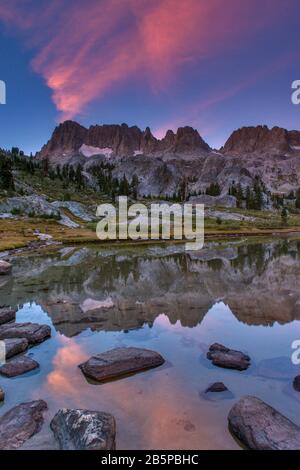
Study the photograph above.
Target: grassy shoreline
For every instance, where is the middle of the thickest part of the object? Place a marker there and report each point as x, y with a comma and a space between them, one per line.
22, 233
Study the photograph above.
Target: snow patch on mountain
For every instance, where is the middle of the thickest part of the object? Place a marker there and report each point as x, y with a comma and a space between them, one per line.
89, 151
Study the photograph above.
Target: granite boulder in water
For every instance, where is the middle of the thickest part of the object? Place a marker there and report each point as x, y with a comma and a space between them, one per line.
228, 358
261, 427
119, 362
84, 430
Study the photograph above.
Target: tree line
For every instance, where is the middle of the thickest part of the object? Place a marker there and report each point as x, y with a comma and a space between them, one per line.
112, 185
250, 197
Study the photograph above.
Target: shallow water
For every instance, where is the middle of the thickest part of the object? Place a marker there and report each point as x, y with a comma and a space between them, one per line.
244, 295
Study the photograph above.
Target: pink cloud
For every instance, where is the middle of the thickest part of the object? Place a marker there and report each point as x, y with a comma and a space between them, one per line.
83, 49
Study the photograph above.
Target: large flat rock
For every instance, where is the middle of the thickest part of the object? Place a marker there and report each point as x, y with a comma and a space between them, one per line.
14, 346
84, 430
119, 362
18, 366
20, 423
228, 358
5, 267
33, 332
7, 315
261, 427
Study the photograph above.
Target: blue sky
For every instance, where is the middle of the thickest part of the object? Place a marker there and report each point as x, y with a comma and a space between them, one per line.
163, 63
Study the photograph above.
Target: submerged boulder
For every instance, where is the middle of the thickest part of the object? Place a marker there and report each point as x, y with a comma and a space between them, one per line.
5, 267
119, 362
20, 423
7, 315
296, 383
261, 427
228, 358
84, 430
14, 346
18, 366
33, 332
216, 387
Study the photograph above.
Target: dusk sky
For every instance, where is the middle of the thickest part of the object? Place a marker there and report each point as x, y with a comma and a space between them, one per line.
215, 65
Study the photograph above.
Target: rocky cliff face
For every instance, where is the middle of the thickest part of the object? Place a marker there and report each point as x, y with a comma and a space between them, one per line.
261, 139
162, 165
121, 140
66, 138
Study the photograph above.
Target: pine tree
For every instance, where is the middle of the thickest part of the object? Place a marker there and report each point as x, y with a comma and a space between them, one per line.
298, 199
284, 215
15, 151
239, 195
65, 172
70, 173
79, 179
45, 167
248, 198
213, 190
124, 187
134, 186
183, 191
58, 172
6, 174
258, 197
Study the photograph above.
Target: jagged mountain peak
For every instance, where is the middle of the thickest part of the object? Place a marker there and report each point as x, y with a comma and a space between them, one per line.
261, 139
120, 140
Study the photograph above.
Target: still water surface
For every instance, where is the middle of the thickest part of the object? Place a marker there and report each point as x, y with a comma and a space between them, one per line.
245, 295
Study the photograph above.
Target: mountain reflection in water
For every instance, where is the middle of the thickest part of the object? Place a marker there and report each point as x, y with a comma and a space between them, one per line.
119, 289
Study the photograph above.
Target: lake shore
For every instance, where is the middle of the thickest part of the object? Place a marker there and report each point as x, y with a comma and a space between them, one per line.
22, 244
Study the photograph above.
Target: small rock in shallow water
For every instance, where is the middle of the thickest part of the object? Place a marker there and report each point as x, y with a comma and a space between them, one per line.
296, 383
228, 358
5, 267
20, 423
14, 346
2, 394
18, 366
33, 332
6, 315
261, 427
84, 430
216, 387
119, 362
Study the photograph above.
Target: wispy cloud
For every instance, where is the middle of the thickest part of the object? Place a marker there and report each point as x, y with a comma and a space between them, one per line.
84, 49
193, 113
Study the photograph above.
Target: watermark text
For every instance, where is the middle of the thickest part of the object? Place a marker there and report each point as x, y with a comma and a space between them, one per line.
296, 353
2, 92
156, 222
296, 93
2, 353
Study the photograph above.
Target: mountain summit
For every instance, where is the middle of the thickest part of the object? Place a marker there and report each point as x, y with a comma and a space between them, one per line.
261, 139
119, 140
